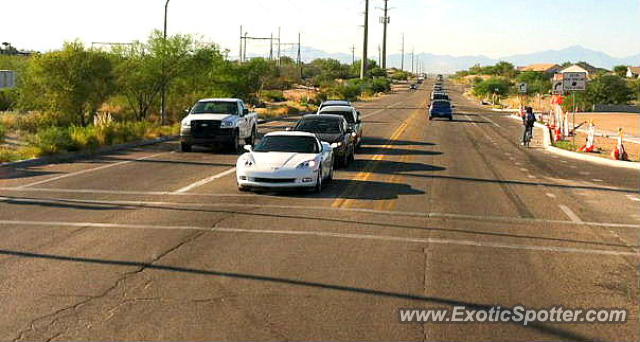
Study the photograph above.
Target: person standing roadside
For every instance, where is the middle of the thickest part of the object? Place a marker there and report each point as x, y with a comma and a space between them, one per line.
529, 121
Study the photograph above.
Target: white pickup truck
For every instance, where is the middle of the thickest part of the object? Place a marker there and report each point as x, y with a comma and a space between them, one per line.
219, 121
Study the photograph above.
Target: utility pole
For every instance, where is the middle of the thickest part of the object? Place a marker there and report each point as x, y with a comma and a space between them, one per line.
365, 43
279, 45
244, 50
240, 55
353, 54
163, 98
379, 56
412, 58
402, 61
385, 20
300, 53
271, 47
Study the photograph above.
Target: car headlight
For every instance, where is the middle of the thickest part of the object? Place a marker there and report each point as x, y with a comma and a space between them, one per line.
226, 124
336, 145
307, 164
186, 123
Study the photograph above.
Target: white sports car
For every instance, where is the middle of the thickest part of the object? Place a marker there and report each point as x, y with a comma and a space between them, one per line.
286, 160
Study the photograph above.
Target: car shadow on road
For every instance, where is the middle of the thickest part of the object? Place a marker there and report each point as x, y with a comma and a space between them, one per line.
60, 203
343, 189
395, 151
547, 329
7, 173
375, 141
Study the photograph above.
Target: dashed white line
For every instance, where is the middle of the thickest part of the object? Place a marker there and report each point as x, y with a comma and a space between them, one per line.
77, 173
204, 181
633, 198
575, 218
550, 195
524, 170
597, 180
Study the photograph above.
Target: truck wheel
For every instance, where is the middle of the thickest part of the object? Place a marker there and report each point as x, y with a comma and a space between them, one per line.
251, 140
185, 147
235, 144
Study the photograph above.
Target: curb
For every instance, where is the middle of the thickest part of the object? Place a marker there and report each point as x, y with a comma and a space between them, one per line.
580, 156
84, 154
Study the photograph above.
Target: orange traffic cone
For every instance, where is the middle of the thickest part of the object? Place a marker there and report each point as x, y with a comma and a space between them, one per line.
619, 153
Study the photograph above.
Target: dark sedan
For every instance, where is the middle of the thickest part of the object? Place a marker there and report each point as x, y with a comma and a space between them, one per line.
441, 109
334, 130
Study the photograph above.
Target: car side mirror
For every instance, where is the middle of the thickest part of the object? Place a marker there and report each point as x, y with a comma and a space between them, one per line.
187, 111
245, 111
248, 148
349, 130
326, 147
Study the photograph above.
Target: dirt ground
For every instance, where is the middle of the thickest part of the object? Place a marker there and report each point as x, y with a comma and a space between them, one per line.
607, 145
612, 121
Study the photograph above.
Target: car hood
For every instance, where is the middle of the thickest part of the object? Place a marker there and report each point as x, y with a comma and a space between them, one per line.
217, 117
281, 159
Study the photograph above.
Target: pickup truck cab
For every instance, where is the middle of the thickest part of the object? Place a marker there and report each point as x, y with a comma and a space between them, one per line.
218, 121
355, 124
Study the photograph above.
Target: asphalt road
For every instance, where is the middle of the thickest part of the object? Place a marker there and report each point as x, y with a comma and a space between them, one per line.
153, 244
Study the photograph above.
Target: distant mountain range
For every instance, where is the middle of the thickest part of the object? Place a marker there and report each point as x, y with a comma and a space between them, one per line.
448, 64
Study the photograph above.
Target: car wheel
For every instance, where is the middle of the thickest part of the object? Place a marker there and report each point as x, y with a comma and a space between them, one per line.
318, 187
430, 117
185, 147
330, 177
352, 156
345, 160
242, 188
451, 118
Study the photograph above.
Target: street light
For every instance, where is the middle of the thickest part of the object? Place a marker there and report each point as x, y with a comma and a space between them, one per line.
163, 98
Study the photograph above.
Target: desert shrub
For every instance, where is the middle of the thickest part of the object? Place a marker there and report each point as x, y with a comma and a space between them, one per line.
272, 95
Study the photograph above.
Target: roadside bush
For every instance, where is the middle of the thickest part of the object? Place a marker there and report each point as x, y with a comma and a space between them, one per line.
3, 132
378, 85
52, 140
491, 86
8, 99
272, 95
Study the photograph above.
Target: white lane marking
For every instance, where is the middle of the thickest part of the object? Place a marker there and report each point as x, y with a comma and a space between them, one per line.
387, 238
508, 219
597, 180
564, 161
486, 118
524, 170
518, 164
584, 173
570, 214
77, 173
550, 195
633, 198
124, 192
204, 181
532, 176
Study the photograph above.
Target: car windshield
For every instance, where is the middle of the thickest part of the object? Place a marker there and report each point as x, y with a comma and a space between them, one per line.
215, 107
288, 143
348, 115
330, 126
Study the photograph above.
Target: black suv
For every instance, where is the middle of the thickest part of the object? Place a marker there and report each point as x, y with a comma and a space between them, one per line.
333, 129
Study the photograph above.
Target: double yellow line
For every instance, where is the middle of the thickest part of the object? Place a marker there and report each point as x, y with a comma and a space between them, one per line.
367, 173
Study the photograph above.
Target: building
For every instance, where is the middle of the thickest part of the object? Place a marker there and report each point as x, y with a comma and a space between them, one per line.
544, 68
633, 72
582, 67
7, 79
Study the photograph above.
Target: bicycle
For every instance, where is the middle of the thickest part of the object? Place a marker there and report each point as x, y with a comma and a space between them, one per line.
528, 136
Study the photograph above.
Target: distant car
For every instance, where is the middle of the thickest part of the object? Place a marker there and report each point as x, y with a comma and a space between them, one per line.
440, 96
285, 160
333, 129
353, 119
330, 103
413, 87
441, 109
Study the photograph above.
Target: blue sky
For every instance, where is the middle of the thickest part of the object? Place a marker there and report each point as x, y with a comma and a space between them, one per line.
458, 27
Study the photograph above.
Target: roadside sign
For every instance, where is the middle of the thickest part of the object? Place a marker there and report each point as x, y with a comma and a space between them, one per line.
557, 88
523, 88
575, 81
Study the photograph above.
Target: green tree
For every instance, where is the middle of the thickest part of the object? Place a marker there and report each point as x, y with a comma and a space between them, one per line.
144, 69
537, 82
620, 70
494, 85
608, 89
73, 82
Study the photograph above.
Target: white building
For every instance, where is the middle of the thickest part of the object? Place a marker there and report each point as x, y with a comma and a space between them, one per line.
633, 72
